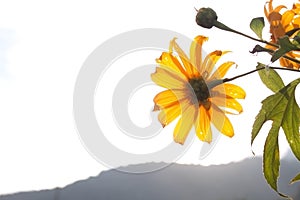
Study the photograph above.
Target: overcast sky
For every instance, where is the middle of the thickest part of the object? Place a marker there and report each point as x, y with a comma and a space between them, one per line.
43, 46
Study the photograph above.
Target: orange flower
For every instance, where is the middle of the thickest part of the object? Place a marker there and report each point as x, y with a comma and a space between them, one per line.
194, 92
280, 25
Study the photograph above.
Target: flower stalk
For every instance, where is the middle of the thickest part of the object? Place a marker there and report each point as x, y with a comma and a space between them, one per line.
256, 70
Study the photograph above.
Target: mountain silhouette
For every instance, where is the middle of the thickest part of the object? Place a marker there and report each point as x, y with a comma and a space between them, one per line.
234, 181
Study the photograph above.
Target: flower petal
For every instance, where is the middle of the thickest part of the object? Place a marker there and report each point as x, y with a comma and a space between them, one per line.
296, 23
202, 125
230, 90
270, 3
278, 8
227, 102
209, 62
287, 18
222, 70
166, 116
190, 69
185, 123
168, 98
168, 79
196, 51
168, 61
220, 121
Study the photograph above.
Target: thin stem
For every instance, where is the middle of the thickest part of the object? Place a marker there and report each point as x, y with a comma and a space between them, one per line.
291, 59
226, 28
255, 70
241, 75
259, 48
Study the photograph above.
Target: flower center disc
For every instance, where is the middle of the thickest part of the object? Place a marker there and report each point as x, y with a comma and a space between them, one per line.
201, 91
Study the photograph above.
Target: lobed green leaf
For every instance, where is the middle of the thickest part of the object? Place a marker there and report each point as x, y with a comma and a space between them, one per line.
291, 119
271, 159
283, 110
260, 119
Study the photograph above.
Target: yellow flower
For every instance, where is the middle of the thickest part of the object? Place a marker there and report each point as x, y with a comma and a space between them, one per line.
280, 25
195, 92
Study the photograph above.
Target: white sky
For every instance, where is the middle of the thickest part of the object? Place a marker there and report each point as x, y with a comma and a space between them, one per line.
45, 45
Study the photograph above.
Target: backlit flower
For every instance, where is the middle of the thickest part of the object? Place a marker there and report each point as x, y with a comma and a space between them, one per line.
280, 24
195, 92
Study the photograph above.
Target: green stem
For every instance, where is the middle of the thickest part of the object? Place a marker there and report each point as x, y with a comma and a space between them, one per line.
222, 26
255, 70
226, 28
284, 56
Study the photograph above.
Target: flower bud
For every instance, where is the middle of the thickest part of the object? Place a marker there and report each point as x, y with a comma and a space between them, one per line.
206, 17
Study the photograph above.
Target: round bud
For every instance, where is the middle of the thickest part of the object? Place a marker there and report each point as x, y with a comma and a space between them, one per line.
206, 17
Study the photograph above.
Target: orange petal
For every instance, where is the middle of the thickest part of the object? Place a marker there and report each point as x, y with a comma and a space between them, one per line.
220, 121
230, 90
202, 125
227, 103
209, 63
289, 64
287, 18
185, 123
266, 12
278, 8
270, 3
166, 116
190, 69
222, 70
168, 61
168, 98
297, 21
168, 79
196, 51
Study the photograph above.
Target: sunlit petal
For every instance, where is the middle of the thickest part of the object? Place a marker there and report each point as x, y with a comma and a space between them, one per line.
227, 103
168, 61
287, 18
185, 123
222, 70
190, 69
266, 12
270, 3
278, 8
202, 125
196, 51
166, 116
231, 90
296, 22
209, 62
221, 122
168, 79
168, 98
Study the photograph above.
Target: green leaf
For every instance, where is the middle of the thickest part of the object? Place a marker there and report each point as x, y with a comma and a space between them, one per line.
270, 78
283, 110
258, 123
271, 160
295, 179
257, 25
291, 120
285, 46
